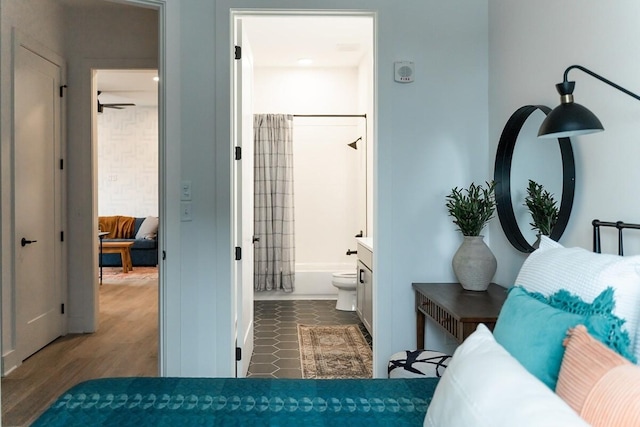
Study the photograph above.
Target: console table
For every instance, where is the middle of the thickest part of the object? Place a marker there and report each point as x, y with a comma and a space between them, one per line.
458, 311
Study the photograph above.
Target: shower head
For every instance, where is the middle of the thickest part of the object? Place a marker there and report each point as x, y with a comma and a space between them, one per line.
354, 143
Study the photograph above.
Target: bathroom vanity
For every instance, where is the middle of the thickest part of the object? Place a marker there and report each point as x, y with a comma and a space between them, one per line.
364, 286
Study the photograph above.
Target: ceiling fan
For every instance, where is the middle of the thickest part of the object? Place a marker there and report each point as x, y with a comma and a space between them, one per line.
117, 105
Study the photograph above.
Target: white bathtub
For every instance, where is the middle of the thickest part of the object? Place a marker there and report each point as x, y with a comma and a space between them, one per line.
313, 281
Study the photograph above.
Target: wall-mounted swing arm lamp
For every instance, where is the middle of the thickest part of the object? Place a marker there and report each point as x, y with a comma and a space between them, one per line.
570, 119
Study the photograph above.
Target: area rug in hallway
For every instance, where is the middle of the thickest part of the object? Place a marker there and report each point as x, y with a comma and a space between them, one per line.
137, 276
328, 352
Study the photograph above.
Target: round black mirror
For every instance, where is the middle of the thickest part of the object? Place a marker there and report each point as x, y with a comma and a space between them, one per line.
513, 228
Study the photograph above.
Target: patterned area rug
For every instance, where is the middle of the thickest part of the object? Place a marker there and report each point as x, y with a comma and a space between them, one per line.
138, 276
328, 352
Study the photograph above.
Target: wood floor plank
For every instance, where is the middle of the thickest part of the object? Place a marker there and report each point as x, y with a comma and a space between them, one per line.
126, 344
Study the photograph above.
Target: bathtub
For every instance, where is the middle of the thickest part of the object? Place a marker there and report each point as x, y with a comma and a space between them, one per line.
313, 281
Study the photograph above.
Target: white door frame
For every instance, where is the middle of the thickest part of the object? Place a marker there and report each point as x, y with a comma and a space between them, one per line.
276, 12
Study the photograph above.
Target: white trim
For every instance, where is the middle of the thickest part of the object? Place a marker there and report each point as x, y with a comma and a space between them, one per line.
237, 13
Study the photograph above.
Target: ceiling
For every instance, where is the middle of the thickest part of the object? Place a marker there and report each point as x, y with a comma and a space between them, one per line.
276, 41
127, 86
329, 41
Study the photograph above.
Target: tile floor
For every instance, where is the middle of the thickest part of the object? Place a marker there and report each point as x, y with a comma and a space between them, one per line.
276, 353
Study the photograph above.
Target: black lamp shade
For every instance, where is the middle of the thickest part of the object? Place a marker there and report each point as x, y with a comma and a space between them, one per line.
569, 119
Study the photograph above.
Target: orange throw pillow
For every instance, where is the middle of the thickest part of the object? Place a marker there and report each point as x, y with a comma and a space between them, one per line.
599, 384
615, 399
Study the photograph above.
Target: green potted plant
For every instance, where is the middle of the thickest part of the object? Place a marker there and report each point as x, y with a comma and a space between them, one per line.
542, 207
472, 208
473, 263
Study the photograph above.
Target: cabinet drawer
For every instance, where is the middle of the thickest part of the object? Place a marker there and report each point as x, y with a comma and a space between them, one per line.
365, 256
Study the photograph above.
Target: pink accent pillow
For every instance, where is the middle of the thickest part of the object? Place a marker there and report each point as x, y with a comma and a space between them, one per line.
599, 384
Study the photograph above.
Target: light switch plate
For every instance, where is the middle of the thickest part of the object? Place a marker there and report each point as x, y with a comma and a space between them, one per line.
185, 190
185, 211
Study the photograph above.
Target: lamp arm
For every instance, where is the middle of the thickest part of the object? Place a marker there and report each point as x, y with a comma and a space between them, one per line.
599, 77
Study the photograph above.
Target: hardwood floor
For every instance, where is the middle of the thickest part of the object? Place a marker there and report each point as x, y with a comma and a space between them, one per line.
126, 344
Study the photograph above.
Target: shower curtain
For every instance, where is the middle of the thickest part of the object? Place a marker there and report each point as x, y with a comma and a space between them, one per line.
274, 253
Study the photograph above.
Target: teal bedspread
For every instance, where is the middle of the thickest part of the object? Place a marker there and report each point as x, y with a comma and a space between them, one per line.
242, 402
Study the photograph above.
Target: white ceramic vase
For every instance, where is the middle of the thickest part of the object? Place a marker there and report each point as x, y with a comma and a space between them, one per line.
474, 264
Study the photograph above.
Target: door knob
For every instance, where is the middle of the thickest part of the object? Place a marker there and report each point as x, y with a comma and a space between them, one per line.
25, 242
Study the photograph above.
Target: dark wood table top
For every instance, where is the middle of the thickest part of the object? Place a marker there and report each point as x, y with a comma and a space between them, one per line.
463, 305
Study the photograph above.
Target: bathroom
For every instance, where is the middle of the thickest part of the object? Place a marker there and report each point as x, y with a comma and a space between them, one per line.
328, 89
319, 69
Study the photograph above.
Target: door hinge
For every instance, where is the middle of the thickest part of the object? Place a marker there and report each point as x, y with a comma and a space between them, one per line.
62, 236
238, 52
238, 154
238, 354
238, 253
62, 88
164, 255
62, 308
61, 164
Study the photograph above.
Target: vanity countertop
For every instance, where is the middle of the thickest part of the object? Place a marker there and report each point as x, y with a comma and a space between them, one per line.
367, 242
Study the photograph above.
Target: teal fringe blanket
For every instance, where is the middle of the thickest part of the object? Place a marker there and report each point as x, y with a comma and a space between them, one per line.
242, 402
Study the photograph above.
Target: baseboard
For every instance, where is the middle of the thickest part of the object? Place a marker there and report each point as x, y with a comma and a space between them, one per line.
288, 296
10, 361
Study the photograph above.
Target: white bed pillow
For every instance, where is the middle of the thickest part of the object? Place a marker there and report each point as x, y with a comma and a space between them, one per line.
485, 386
586, 274
148, 229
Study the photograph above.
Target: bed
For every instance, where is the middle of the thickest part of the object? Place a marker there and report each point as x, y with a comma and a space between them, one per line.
366, 402
242, 402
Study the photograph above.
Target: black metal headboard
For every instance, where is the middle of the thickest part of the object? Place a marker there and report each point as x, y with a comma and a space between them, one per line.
619, 225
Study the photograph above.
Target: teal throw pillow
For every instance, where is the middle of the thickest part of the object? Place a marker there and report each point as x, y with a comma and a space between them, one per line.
532, 327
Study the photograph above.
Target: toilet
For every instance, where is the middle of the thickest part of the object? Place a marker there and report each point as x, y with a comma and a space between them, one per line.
346, 283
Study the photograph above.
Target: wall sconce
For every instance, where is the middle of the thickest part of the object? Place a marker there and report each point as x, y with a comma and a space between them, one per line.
570, 119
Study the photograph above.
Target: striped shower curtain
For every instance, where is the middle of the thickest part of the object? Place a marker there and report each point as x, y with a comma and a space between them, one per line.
274, 253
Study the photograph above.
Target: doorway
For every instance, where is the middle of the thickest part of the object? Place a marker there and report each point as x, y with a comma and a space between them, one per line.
326, 70
127, 176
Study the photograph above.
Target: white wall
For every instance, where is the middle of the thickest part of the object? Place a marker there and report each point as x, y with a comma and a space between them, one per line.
325, 168
431, 136
531, 44
39, 20
128, 162
102, 36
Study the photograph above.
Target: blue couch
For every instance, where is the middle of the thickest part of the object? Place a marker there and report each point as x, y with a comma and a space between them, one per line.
144, 252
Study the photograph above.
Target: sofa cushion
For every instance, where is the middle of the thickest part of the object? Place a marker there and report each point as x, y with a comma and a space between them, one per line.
601, 386
485, 386
586, 274
531, 327
148, 228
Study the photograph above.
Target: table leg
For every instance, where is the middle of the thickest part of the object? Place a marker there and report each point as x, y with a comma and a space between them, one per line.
127, 255
123, 259
420, 319
100, 259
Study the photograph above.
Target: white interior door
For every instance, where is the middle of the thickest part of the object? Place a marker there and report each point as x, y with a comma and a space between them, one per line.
244, 199
37, 208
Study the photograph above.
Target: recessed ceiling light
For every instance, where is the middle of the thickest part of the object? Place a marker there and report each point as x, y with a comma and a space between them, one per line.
305, 61
156, 79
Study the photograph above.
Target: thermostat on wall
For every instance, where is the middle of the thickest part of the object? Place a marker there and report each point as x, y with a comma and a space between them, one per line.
404, 71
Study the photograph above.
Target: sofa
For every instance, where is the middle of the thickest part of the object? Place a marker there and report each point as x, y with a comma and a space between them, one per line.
553, 359
143, 232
